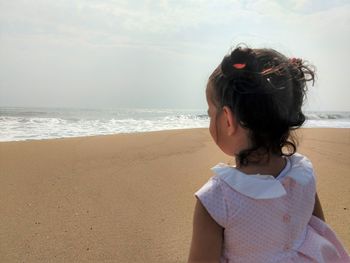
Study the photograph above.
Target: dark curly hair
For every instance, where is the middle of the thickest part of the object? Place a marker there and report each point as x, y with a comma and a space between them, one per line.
265, 90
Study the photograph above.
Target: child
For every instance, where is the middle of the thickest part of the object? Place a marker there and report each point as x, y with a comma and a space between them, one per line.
265, 209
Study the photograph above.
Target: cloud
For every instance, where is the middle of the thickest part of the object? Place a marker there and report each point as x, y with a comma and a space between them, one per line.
112, 21
87, 42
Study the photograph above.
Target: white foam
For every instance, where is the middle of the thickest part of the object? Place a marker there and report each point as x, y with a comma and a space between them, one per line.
19, 128
24, 124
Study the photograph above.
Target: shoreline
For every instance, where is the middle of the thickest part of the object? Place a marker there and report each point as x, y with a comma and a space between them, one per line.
129, 197
143, 132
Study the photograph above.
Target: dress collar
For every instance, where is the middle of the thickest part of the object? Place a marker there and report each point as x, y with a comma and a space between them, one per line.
255, 186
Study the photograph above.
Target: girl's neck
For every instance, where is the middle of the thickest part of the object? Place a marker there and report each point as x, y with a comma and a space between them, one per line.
271, 165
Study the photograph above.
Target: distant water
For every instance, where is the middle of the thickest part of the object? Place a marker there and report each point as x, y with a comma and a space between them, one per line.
42, 123
19, 124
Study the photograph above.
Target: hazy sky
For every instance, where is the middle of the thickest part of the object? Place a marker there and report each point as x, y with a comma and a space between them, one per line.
156, 54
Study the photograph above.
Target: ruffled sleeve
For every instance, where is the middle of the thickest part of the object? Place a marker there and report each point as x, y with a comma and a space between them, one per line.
212, 198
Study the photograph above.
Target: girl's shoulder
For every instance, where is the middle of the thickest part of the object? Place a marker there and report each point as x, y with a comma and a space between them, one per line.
301, 169
301, 163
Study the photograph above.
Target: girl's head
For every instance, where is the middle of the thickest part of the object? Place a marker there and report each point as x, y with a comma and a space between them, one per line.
259, 92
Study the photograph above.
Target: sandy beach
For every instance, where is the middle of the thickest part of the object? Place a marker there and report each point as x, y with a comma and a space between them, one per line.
129, 197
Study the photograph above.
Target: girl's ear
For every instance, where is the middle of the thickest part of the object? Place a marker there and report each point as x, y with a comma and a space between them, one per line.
230, 120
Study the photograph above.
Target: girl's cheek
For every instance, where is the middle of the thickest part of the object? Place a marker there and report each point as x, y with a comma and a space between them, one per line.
212, 130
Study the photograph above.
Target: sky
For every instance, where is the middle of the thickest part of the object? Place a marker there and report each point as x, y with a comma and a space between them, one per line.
159, 54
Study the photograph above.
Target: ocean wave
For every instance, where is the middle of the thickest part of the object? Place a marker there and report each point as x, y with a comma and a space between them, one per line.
328, 115
21, 128
29, 124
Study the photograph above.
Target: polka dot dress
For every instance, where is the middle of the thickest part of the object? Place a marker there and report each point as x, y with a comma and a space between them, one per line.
267, 219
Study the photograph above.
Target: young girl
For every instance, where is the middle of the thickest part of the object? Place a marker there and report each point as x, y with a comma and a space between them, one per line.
265, 209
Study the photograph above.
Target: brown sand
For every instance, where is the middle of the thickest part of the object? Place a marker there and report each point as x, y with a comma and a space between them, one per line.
129, 198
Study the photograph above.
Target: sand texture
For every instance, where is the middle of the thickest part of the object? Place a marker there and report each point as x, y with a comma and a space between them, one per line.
129, 198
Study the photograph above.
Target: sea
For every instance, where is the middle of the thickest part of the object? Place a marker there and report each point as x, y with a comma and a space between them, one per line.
20, 124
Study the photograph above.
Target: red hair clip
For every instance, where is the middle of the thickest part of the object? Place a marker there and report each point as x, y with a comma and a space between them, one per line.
239, 65
295, 61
